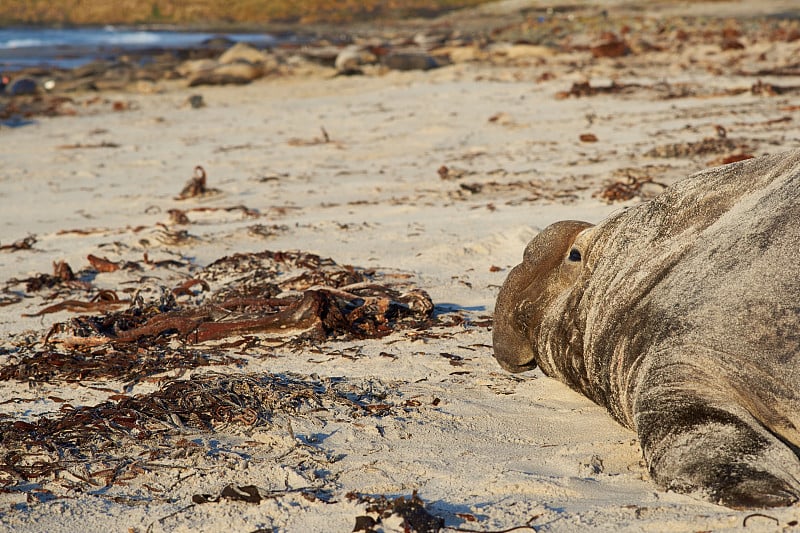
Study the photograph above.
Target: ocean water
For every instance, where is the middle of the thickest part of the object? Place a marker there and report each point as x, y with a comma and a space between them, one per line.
73, 47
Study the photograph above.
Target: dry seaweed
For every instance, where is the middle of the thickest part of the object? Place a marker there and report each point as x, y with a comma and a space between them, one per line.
90, 442
286, 296
180, 216
366, 311
709, 145
769, 89
62, 275
196, 186
102, 301
33, 105
77, 146
325, 139
243, 493
128, 364
584, 88
534, 190
612, 47
416, 518
25, 243
621, 191
662, 90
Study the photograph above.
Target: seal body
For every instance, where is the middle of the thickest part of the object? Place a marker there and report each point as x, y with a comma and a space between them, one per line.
681, 316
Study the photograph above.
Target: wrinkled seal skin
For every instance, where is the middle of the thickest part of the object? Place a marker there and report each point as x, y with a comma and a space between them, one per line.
681, 316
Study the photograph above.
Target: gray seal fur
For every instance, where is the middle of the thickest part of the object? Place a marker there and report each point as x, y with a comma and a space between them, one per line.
681, 316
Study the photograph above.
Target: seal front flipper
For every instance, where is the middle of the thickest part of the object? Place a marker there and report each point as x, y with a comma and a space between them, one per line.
695, 441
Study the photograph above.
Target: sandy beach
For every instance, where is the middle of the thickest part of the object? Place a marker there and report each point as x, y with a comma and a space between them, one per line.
412, 181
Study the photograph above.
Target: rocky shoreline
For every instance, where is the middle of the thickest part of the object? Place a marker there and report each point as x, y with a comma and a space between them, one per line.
576, 37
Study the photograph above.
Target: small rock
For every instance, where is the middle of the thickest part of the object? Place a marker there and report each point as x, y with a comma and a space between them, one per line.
240, 69
196, 101
22, 86
321, 55
351, 58
242, 52
219, 42
409, 61
195, 66
229, 74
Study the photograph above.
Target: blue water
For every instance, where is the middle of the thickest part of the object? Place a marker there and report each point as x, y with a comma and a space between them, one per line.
68, 48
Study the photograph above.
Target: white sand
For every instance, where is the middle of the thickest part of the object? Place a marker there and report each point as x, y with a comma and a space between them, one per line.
506, 450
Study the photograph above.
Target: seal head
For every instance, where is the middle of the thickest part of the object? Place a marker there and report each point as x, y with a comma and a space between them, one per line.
551, 264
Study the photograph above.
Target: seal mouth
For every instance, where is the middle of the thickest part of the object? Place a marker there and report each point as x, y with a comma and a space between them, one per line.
514, 358
516, 369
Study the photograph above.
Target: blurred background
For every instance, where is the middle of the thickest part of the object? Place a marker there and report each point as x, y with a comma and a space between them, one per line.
84, 12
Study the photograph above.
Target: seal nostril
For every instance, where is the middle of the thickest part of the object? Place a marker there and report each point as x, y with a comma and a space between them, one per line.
574, 255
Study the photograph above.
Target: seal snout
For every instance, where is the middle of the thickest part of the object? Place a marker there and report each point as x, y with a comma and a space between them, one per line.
508, 364
512, 347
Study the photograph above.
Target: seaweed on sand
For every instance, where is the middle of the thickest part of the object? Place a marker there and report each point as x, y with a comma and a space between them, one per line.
120, 438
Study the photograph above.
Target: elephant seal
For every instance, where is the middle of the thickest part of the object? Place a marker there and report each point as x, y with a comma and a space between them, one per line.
680, 316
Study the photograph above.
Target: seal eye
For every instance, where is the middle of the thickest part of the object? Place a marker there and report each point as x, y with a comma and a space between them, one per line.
574, 255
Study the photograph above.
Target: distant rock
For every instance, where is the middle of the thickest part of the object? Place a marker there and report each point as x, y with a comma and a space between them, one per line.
244, 52
22, 86
193, 67
351, 58
227, 74
238, 65
410, 61
219, 42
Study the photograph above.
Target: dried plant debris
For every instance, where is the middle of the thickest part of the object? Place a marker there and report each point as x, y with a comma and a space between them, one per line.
62, 275
632, 185
120, 438
103, 301
274, 293
660, 90
769, 89
255, 494
35, 105
709, 145
65, 282
77, 146
103, 264
128, 363
324, 139
522, 191
243, 493
585, 88
25, 243
62, 281
196, 186
416, 518
181, 216
277, 297
266, 231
